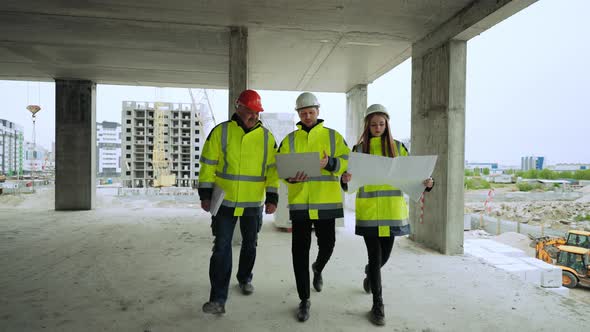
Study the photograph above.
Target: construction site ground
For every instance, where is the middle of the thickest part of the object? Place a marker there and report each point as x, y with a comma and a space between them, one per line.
141, 264
558, 211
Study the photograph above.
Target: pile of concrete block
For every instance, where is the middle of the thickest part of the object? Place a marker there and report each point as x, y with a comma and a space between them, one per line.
515, 261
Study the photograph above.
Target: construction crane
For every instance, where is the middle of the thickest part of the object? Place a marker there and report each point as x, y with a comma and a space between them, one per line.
162, 175
34, 109
205, 114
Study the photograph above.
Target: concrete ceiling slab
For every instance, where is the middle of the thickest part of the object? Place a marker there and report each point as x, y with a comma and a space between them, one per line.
293, 45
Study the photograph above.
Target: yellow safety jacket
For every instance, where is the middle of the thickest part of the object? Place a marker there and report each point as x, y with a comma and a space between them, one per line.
381, 210
318, 197
240, 163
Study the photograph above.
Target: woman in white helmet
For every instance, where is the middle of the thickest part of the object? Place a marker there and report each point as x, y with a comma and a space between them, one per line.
381, 210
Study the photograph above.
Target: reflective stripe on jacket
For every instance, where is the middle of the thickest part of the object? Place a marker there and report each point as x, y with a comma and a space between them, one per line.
319, 197
381, 210
240, 163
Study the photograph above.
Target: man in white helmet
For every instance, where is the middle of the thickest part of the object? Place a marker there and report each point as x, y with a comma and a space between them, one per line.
314, 200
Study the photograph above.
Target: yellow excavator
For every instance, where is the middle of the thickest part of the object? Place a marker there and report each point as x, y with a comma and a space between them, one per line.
578, 238
575, 266
570, 253
547, 247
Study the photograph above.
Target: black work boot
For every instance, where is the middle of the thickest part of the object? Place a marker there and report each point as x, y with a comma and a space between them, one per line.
247, 288
318, 282
215, 308
377, 314
303, 311
367, 281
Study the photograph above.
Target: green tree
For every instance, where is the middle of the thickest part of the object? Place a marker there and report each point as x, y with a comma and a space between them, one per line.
524, 186
468, 172
582, 174
486, 171
547, 174
531, 174
477, 183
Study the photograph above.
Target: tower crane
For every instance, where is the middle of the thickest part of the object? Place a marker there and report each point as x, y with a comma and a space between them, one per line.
204, 115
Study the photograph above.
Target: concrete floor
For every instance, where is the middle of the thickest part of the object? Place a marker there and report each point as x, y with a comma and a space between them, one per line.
145, 269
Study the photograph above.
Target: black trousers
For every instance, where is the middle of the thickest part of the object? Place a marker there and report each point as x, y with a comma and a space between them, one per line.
300, 244
378, 250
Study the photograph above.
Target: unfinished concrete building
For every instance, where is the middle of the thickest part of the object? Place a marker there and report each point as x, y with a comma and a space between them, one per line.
182, 138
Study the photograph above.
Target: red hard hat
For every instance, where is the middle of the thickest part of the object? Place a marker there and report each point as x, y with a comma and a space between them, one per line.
250, 99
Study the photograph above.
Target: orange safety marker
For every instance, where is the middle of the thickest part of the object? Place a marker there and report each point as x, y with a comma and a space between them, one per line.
422, 208
487, 204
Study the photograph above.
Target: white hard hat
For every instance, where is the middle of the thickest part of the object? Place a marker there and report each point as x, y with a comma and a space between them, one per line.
306, 99
377, 108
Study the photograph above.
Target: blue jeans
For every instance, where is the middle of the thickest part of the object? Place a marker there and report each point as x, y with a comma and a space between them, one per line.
220, 265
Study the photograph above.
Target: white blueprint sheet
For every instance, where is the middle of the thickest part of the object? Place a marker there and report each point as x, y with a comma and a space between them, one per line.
289, 164
405, 173
216, 200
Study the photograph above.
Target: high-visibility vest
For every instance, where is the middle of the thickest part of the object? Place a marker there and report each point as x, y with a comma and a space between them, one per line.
242, 164
381, 210
320, 196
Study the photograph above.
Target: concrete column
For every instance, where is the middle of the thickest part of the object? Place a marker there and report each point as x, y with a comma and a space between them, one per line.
438, 127
238, 80
238, 65
356, 105
75, 144
4, 153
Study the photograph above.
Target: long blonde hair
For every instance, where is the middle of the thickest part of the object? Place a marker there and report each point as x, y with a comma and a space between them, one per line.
388, 146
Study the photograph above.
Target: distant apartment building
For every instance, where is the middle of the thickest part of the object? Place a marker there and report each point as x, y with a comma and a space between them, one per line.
182, 133
11, 148
108, 148
569, 167
36, 159
493, 167
532, 162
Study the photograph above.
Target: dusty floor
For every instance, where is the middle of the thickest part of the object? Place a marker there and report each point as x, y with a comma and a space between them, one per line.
130, 267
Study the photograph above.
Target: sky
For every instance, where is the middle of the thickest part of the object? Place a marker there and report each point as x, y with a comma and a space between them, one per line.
527, 87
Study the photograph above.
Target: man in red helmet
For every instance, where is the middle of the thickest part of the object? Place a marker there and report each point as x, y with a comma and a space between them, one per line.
238, 158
